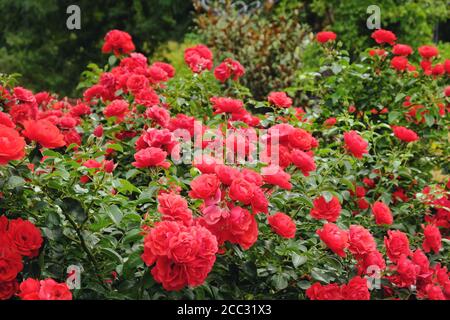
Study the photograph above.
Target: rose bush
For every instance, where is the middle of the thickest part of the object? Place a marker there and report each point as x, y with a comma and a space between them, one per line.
337, 202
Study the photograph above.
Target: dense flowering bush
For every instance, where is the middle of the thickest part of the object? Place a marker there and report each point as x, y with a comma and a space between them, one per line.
154, 185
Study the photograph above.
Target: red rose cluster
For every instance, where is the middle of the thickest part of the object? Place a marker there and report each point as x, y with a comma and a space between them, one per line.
229, 68
118, 42
18, 238
356, 289
199, 58
48, 289
182, 251
45, 120
408, 268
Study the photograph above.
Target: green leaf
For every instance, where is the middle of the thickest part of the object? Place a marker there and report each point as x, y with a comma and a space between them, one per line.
132, 264
279, 282
14, 182
115, 214
298, 260
115, 146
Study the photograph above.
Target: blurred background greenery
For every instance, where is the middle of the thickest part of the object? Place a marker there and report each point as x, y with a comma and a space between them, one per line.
273, 42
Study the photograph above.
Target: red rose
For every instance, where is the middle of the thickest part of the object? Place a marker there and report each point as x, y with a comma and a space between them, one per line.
303, 161
29, 289
44, 132
301, 139
157, 241
355, 144
407, 272
160, 115
361, 241
369, 182
252, 177
397, 244
118, 109
384, 36
227, 105
198, 58
25, 237
5, 119
399, 63
172, 276
276, 176
10, 263
241, 190
447, 91
330, 122
204, 186
98, 131
370, 260
183, 247
259, 202
438, 69
147, 97
12, 146
325, 36
280, 99
119, 42
447, 65
151, 157
52, 290
174, 207
428, 52
243, 227
328, 292
363, 204
433, 239
8, 289
402, 50
222, 72
322, 209
226, 174
282, 225
405, 134
420, 259
229, 68
435, 293
356, 289
382, 213
136, 83
335, 238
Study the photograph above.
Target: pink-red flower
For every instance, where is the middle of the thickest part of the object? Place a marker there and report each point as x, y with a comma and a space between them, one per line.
280, 99
118, 42
336, 239
428, 52
432, 239
48, 289
44, 132
382, 213
328, 210
355, 144
12, 146
397, 244
402, 50
405, 134
325, 36
199, 58
204, 186
384, 36
282, 225
151, 157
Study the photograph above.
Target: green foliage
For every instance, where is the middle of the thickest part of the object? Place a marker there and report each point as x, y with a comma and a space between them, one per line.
413, 21
268, 42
